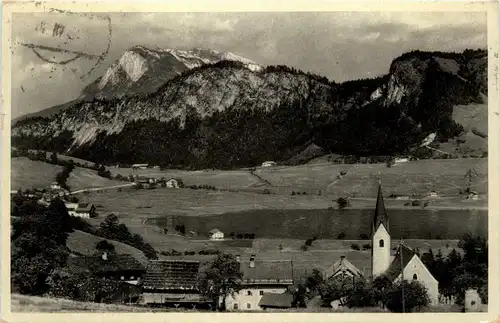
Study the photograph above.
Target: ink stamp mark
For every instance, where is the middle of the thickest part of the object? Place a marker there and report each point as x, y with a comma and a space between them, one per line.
65, 50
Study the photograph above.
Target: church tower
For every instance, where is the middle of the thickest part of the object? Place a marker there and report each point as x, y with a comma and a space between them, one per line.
381, 239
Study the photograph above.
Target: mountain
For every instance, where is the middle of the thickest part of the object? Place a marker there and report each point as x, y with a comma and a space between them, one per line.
141, 70
234, 114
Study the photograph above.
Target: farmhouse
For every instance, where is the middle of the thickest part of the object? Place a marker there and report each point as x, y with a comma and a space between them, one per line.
472, 195
122, 267
216, 234
406, 264
433, 194
260, 278
173, 183
268, 164
173, 283
82, 210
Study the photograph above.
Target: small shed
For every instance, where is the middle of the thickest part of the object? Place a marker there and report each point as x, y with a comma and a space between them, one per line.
268, 163
174, 183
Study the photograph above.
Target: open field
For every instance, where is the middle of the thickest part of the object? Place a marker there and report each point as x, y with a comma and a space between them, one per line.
27, 174
415, 177
84, 243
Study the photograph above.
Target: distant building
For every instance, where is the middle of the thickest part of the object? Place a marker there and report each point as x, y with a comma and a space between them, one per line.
433, 194
82, 210
406, 264
216, 234
399, 160
140, 166
261, 278
173, 183
173, 283
55, 186
472, 195
268, 164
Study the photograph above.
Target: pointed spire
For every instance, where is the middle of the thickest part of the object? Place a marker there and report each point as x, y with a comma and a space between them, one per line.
380, 215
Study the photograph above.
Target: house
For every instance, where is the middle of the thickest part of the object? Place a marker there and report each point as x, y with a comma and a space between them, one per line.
406, 264
144, 183
173, 283
82, 210
343, 268
216, 234
433, 194
140, 166
472, 195
123, 268
174, 183
55, 186
118, 267
260, 278
276, 301
268, 164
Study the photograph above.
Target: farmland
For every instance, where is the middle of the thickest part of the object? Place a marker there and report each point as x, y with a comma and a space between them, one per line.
26, 173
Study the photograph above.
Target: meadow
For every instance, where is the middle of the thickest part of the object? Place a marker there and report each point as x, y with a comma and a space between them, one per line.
27, 174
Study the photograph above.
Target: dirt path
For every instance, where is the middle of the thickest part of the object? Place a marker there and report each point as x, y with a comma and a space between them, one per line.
102, 188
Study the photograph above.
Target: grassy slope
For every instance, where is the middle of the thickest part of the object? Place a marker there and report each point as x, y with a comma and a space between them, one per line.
29, 174
84, 243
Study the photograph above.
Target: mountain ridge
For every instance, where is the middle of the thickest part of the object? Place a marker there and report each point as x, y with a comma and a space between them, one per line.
192, 116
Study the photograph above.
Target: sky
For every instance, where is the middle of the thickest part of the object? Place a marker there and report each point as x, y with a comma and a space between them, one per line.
339, 45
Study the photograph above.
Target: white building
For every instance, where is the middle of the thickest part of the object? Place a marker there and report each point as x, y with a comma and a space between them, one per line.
261, 278
406, 264
268, 164
173, 183
140, 166
55, 186
82, 210
216, 234
400, 160
433, 194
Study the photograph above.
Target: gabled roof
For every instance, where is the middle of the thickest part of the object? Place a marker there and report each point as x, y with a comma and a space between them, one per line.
267, 272
397, 265
276, 300
380, 214
84, 207
171, 274
97, 265
214, 231
342, 265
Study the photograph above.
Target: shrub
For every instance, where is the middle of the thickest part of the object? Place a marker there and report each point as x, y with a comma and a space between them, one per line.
364, 236
415, 203
341, 236
367, 246
308, 242
355, 246
303, 247
342, 203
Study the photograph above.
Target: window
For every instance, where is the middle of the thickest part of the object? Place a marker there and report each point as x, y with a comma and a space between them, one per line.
249, 293
473, 303
261, 293
414, 276
381, 243
249, 306
235, 306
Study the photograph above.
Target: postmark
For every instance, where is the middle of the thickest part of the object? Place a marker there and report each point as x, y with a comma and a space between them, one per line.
65, 42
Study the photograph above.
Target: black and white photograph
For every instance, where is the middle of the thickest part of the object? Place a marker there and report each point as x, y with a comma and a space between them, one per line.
249, 161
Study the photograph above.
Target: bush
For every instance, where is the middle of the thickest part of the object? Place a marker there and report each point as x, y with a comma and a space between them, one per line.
308, 242
303, 247
341, 236
415, 297
364, 236
415, 203
355, 246
342, 203
367, 246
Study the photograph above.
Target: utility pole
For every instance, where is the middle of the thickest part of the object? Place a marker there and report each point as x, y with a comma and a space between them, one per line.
402, 274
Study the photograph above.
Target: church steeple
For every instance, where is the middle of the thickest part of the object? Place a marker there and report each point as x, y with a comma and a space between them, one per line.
380, 214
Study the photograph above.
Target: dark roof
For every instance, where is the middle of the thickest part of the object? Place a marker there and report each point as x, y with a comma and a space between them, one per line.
171, 274
276, 300
267, 272
214, 231
380, 215
394, 269
84, 207
114, 263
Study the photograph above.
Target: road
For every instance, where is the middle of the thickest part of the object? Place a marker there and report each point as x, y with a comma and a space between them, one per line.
102, 188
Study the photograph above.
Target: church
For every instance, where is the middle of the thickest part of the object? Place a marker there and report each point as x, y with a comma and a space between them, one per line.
405, 264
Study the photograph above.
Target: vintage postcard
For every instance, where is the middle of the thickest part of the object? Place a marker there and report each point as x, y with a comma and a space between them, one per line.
282, 161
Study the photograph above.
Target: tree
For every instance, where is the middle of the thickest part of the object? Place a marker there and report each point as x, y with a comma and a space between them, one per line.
337, 288
415, 296
342, 203
361, 295
104, 245
220, 279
